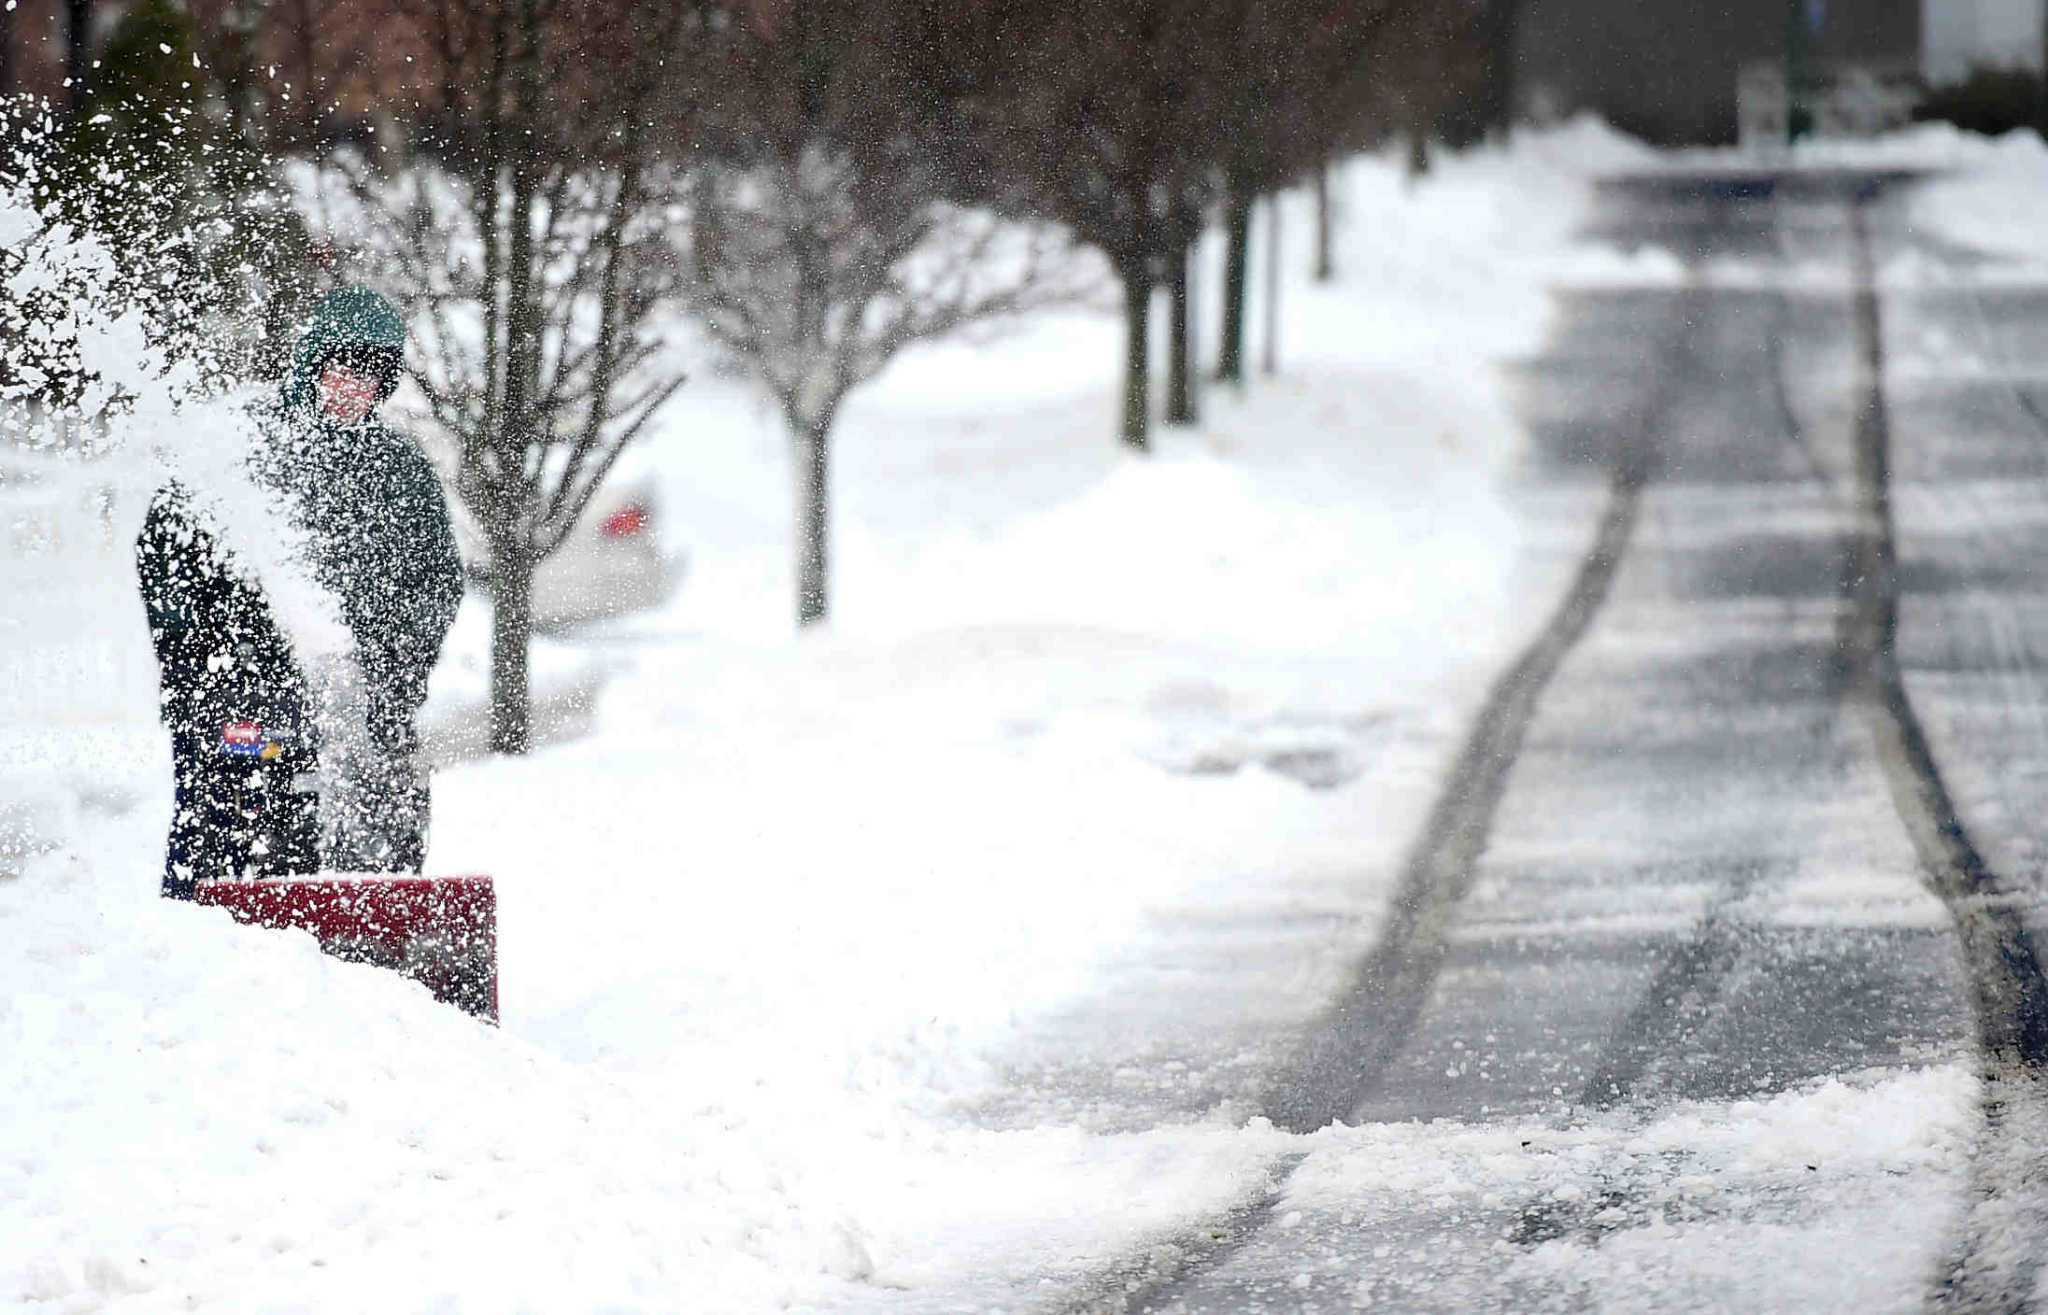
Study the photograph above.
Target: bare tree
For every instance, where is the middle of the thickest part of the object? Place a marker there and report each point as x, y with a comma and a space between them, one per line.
1500, 30
819, 245
527, 235
1109, 134
296, 75
1140, 114
1257, 130
1306, 81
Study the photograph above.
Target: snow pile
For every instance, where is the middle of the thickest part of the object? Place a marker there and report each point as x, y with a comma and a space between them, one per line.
1464, 275
1981, 193
1931, 147
1993, 196
208, 1115
1185, 548
1860, 1124
1500, 236
1705, 1205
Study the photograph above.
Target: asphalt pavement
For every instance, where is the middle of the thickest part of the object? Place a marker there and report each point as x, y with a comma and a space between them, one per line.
1804, 648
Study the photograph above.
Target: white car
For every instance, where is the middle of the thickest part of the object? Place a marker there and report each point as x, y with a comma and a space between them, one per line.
611, 564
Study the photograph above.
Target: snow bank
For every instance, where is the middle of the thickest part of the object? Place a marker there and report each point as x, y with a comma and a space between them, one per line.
1706, 1205
1992, 195
1457, 264
1924, 146
1978, 192
1860, 1124
204, 1114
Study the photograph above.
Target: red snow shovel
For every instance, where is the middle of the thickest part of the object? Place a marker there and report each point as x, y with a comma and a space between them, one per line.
440, 931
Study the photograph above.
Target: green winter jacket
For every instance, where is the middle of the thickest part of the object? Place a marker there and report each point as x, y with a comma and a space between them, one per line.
376, 526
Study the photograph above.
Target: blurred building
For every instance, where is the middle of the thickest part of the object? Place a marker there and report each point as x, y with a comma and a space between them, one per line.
1842, 98
1963, 35
1670, 71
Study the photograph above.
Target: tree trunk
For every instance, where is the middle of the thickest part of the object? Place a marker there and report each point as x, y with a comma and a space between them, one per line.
6, 49
77, 48
511, 639
1137, 421
1271, 365
512, 554
1498, 90
1180, 391
1237, 259
1326, 266
1418, 148
813, 522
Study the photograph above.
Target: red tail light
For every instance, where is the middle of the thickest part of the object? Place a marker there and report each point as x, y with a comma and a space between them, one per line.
624, 523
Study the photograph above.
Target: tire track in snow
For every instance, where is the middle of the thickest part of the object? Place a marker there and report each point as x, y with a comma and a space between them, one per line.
1686, 988
2019, 665
1347, 1051
1138, 1280
1995, 1262
1688, 985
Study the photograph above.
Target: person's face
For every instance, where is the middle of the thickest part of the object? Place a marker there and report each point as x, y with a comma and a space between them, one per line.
346, 394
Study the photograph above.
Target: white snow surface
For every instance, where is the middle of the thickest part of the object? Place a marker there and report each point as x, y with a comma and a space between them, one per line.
1740, 1199
772, 918
1992, 197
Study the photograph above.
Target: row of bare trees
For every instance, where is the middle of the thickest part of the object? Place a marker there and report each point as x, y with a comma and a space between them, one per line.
819, 183
1184, 108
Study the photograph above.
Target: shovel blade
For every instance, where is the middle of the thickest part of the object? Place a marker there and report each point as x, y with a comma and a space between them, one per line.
440, 931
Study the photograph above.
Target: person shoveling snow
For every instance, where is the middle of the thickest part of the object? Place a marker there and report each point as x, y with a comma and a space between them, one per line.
290, 760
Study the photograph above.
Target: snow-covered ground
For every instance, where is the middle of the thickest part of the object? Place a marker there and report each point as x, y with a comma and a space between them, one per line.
1991, 197
770, 923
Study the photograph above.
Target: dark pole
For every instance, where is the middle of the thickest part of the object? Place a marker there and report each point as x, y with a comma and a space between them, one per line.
6, 49
1797, 113
1237, 247
1137, 419
1190, 275
1326, 265
1271, 364
1502, 23
1180, 369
